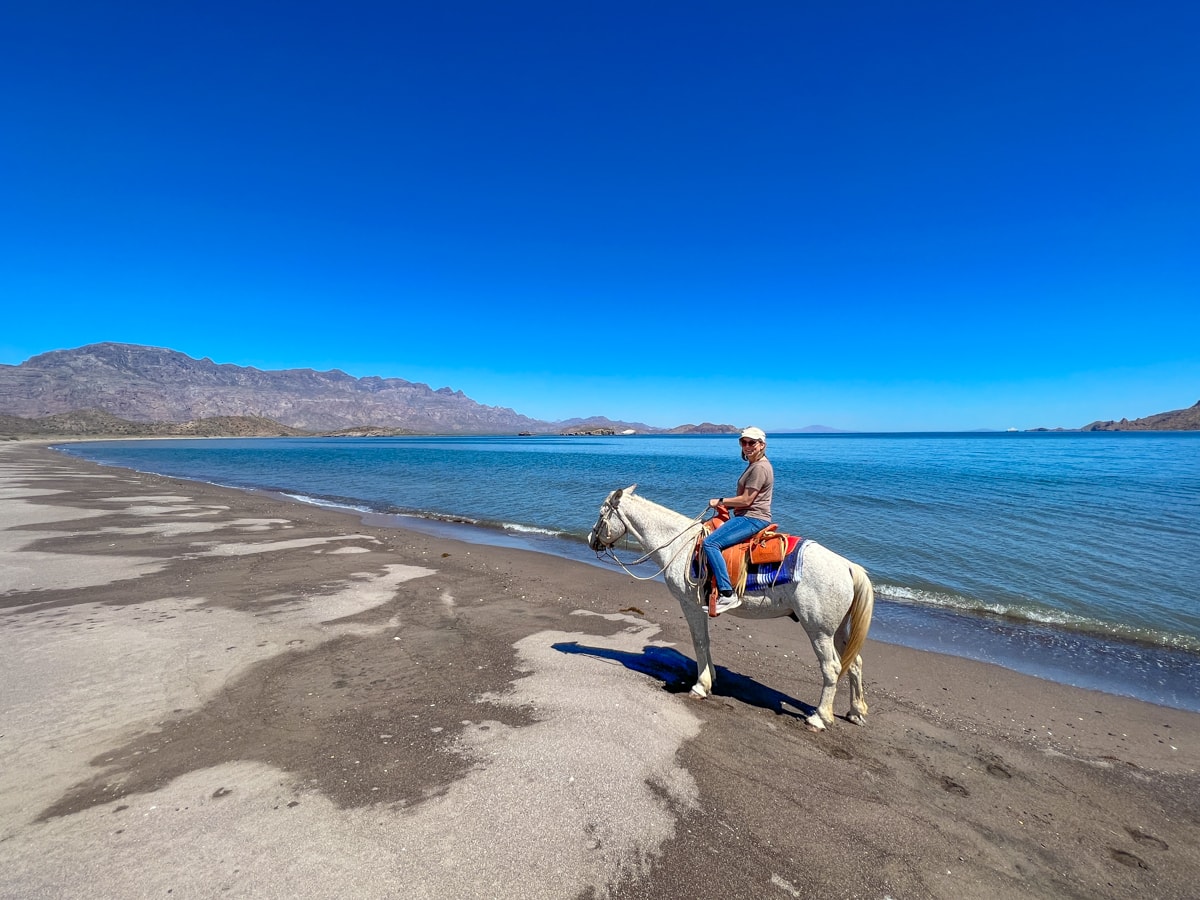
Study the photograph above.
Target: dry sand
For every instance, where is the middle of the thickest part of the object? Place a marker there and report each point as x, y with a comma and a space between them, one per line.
207, 692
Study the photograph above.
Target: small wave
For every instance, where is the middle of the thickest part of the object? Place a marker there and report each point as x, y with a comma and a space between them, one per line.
327, 504
437, 517
455, 519
1038, 616
529, 529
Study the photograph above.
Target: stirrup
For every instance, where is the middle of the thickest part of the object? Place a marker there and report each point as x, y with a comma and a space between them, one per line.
724, 604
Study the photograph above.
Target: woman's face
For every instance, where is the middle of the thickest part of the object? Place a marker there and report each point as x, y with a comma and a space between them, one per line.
750, 447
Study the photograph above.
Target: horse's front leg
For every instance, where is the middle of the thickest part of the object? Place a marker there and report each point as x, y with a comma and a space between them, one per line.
697, 619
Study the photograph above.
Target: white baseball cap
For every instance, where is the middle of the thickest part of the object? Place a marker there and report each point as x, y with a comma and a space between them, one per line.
754, 434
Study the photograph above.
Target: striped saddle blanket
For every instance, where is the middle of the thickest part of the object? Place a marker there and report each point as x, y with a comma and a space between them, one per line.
781, 567
761, 576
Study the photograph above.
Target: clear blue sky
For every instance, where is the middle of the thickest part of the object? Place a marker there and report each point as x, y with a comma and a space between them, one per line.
871, 215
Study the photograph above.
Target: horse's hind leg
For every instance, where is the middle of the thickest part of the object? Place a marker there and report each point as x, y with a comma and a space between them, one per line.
831, 668
858, 699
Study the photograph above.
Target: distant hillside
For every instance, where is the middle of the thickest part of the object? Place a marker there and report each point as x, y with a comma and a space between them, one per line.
1175, 420
94, 422
150, 384
139, 384
704, 428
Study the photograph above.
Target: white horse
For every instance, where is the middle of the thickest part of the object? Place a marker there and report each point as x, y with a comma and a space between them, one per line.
833, 598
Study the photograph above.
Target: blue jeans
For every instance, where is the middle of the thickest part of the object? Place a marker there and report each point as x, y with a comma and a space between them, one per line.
735, 531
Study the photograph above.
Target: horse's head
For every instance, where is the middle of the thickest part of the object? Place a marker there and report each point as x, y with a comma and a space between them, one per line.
610, 527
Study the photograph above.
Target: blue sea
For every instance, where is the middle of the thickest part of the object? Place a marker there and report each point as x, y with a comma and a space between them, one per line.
1070, 556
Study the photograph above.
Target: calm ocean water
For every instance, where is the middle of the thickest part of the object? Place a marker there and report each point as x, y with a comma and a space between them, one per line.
1071, 556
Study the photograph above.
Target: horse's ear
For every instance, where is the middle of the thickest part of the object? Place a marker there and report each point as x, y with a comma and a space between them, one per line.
616, 495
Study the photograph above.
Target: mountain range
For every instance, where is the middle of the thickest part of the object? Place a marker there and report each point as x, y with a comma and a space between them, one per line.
113, 388
101, 386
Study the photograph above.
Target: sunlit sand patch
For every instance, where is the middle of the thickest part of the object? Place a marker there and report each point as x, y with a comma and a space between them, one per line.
153, 498
21, 514
149, 509
166, 529
170, 529
32, 570
207, 834
360, 592
26, 571
602, 764
259, 524
175, 654
350, 550
19, 493
42, 473
239, 549
565, 808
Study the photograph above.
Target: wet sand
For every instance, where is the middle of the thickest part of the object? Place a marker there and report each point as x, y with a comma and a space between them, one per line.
210, 692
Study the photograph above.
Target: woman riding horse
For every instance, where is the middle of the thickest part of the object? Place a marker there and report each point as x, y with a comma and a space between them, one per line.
751, 509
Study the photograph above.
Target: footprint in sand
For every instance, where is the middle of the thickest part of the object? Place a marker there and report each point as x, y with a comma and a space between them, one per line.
1127, 859
950, 786
1147, 840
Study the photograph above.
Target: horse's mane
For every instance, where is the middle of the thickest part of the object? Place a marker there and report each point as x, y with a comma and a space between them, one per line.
666, 510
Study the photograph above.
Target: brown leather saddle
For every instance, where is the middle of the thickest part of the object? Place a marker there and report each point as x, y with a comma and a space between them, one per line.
765, 547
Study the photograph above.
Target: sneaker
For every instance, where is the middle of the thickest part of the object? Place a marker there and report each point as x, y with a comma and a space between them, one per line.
727, 602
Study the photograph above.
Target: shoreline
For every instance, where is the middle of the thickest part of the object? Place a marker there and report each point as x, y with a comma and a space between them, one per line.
197, 676
1087, 657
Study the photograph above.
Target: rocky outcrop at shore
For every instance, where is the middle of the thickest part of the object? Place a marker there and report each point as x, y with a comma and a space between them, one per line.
1175, 420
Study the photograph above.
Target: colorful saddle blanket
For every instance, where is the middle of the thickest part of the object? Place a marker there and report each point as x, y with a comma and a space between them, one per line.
783, 568
761, 576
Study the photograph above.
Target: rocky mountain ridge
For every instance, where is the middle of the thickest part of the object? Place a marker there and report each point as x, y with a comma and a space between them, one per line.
136, 385
1175, 420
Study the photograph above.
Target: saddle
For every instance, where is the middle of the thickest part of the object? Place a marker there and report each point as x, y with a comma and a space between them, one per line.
768, 547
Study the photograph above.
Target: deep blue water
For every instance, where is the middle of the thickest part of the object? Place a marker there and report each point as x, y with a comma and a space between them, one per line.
1072, 556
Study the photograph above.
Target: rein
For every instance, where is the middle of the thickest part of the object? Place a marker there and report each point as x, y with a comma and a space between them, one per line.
646, 556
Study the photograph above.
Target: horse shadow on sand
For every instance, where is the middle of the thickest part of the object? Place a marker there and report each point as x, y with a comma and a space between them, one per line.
678, 672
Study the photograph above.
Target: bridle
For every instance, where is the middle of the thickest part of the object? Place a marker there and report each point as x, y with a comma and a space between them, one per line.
607, 549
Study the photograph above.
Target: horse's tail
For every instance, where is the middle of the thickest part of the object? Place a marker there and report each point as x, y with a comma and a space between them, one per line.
858, 615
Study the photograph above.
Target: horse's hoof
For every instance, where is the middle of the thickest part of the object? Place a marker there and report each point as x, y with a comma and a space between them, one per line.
814, 722
698, 692
857, 719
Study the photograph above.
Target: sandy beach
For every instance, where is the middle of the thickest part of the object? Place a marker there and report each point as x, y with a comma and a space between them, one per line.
210, 692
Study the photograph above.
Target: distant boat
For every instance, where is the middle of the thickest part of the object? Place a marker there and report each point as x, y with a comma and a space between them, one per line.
1014, 429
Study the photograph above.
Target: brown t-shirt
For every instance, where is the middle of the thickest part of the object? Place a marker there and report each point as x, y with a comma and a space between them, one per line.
758, 475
